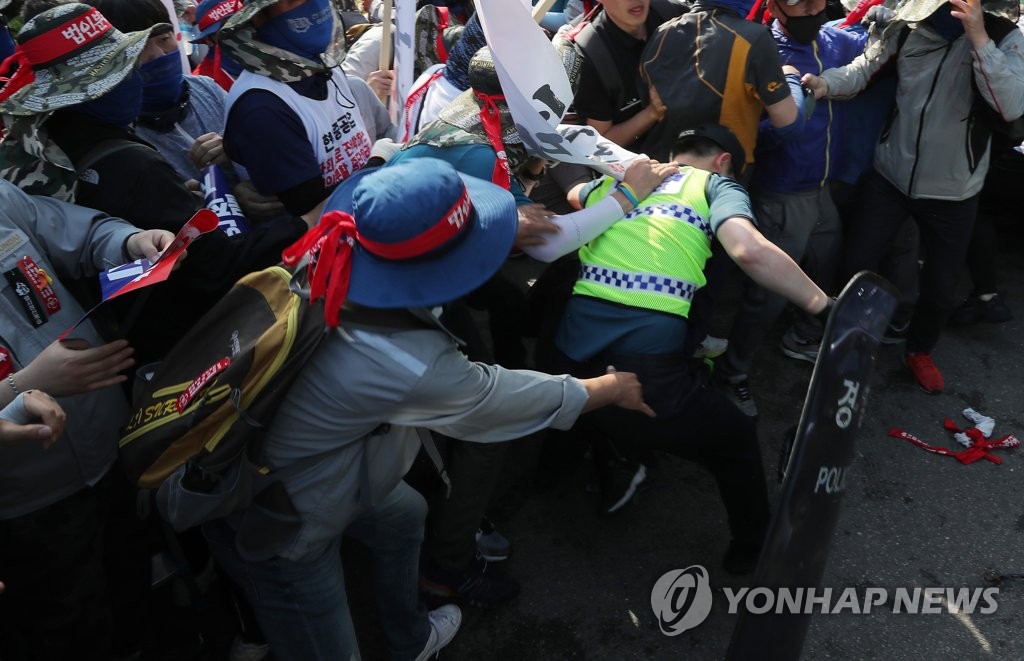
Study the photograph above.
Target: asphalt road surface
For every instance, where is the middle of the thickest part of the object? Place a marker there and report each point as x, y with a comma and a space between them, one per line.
909, 519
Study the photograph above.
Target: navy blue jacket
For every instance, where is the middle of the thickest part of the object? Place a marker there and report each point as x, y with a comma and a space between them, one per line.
809, 162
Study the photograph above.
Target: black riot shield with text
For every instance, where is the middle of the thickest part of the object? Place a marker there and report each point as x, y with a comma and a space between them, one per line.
800, 534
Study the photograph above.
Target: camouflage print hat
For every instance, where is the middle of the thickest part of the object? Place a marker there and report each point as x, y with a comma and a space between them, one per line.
238, 39
464, 110
67, 55
913, 11
436, 33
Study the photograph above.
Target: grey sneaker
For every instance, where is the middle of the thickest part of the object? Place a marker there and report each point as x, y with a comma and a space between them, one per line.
738, 392
800, 348
444, 624
491, 544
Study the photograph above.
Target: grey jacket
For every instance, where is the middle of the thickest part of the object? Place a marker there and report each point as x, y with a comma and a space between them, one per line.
360, 399
928, 151
65, 241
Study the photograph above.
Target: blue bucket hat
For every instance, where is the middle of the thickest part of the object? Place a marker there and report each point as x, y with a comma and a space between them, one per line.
415, 234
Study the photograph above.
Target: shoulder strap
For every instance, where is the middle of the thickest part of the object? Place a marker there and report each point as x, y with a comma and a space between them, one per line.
593, 47
102, 150
428, 444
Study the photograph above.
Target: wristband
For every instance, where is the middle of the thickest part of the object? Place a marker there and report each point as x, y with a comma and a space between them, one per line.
10, 382
824, 314
628, 191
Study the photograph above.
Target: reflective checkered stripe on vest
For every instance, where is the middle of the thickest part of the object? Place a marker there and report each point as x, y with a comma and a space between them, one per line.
653, 258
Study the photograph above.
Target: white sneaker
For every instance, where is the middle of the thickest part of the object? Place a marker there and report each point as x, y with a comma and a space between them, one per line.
243, 651
711, 347
444, 623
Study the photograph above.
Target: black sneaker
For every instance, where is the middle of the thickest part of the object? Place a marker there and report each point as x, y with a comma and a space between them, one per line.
619, 483
738, 392
973, 310
896, 334
480, 584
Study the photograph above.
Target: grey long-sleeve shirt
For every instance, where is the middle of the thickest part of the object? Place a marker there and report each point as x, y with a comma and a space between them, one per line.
363, 378
64, 241
927, 151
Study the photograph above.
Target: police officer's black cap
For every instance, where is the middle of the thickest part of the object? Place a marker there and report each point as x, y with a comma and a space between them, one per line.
721, 136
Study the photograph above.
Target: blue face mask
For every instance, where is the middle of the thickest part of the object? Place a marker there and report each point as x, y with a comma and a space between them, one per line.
161, 82
233, 68
6, 42
118, 107
305, 30
947, 25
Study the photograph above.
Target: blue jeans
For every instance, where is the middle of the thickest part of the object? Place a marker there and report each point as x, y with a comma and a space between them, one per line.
301, 604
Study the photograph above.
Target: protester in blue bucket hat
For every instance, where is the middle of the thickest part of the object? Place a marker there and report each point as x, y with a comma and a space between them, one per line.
395, 221
416, 234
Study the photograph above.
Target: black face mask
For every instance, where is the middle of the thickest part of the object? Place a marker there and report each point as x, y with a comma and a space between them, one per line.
804, 28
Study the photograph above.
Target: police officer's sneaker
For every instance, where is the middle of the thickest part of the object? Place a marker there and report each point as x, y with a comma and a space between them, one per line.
711, 347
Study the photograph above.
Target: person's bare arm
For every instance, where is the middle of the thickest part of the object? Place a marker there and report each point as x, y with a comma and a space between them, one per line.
618, 388
768, 266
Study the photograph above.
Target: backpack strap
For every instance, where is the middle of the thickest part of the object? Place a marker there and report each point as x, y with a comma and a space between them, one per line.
427, 439
102, 150
590, 42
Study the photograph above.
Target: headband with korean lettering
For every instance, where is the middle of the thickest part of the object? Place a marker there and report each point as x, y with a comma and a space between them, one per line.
56, 43
329, 247
220, 12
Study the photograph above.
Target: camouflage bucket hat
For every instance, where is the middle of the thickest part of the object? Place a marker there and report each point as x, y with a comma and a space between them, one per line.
239, 40
913, 11
243, 17
464, 110
429, 41
67, 55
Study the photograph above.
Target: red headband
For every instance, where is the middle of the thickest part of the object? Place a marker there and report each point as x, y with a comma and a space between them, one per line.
442, 24
330, 243
49, 46
490, 117
220, 12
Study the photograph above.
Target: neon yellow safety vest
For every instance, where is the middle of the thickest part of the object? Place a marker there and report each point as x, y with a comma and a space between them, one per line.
654, 257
